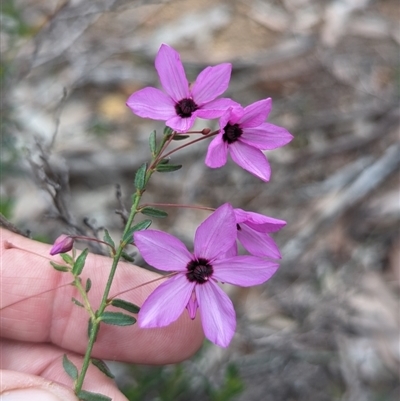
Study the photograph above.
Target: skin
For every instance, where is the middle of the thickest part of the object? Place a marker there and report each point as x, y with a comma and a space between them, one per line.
39, 323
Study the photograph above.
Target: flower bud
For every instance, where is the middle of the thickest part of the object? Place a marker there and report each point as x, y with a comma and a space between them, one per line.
62, 244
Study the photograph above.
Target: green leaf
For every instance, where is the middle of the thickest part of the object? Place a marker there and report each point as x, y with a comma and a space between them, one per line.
88, 396
120, 303
80, 263
143, 225
153, 212
67, 258
76, 302
91, 328
127, 257
140, 177
108, 239
101, 365
168, 131
88, 285
166, 168
70, 368
153, 143
178, 137
117, 318
60, 268
164, 161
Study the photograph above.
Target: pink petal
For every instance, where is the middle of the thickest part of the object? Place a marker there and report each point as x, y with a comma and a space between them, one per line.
166, 303
151, 103
256, 113
215, 108
162, 250
211, 82
266, 137
257, 243
217, 152
244, 271
259, 222
231, 116
217, 313
64, 243
180, 124
233, 251
216, 234
192, 306
250, 159
171, 73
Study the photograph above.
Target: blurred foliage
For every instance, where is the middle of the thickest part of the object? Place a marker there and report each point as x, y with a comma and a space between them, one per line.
173, 383
100, 127
14, 27
232, 386
12, 21
8, 151
6, 207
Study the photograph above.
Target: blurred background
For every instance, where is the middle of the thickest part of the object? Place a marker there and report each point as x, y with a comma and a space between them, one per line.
326, 326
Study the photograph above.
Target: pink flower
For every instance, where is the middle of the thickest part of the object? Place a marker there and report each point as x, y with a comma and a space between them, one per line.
62, 244
252, 233
181, 103
244, 134
195, 284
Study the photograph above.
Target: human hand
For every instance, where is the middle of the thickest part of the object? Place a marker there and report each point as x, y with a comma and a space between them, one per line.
39, 324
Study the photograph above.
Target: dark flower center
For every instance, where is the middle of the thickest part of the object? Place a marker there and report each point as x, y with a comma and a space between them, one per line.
199, 270
238, 227
185, 108
232, 133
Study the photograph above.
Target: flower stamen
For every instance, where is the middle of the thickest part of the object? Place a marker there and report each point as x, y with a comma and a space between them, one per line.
232, 133
185, 107
199, 270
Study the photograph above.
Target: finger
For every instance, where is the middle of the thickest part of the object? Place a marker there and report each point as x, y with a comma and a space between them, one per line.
21, 386
45, 360
52, 317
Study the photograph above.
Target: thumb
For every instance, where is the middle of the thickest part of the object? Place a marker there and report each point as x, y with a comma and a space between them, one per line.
16, 386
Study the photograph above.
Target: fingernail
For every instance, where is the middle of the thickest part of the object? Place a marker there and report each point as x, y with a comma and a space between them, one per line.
31, 394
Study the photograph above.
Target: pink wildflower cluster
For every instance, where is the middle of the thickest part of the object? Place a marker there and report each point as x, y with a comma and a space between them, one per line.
244, 134
195, 284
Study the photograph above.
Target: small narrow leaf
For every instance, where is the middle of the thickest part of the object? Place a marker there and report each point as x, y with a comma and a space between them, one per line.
70, 368
108, 239
153, 143
88, 285
168, 131
166, 168
127, 257
101, 365
164, 161
80, 263
76, 302
153, 212
91, 328
178, 137
67, 258
60, 268
120, 303
143, 225
140, 177
117, 319
88, 396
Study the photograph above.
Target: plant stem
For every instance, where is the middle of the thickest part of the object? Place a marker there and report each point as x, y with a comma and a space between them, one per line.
96, 317
96, 320
190, 143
